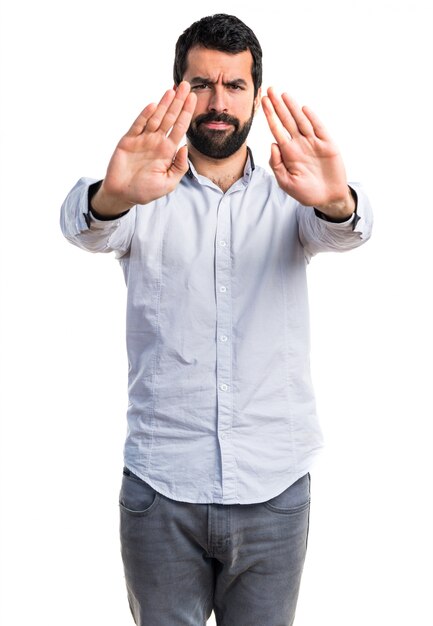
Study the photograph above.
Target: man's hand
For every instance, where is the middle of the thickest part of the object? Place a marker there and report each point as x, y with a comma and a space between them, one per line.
305, 161
146, 164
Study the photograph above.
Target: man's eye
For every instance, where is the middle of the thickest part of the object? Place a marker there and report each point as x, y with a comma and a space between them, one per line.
200, 87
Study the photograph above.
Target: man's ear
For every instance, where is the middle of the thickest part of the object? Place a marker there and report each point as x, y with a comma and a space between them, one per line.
257, 100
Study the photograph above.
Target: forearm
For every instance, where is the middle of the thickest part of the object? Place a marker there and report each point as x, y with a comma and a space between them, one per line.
319, 233
85, 230
341, 209
106, 206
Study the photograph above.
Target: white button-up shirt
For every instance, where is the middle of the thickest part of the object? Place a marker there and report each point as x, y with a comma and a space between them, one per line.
221, 406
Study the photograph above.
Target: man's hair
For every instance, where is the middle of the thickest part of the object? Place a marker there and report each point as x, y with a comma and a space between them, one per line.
222, 32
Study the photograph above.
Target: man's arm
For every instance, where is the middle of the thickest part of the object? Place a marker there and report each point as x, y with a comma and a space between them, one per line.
308, 166
305, 160
320, 233
85, 229
146, 164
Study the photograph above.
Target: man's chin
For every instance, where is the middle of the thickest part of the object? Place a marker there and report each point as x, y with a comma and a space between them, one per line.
215, 143
217, 154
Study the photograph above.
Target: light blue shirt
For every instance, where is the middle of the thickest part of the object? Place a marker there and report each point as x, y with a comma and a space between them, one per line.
221, 406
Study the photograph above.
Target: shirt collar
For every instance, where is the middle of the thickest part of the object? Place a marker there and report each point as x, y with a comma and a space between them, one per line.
250, 166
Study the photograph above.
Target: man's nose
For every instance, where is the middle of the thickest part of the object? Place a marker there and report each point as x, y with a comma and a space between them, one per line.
218, 100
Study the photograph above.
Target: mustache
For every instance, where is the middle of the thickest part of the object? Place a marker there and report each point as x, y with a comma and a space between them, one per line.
216, 117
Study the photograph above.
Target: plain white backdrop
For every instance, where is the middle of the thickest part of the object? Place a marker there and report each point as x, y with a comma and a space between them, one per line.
74, 75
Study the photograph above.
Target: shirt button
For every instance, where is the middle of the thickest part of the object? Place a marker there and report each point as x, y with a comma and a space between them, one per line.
223, 289
224, 387
222, 243
223, 338
223, 435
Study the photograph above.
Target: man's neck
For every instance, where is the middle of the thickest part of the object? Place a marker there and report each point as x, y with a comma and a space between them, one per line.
222, 172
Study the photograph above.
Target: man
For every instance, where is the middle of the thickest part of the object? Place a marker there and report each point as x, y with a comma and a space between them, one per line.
222, 428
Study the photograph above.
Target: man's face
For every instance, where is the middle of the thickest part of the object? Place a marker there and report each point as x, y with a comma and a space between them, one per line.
225, 100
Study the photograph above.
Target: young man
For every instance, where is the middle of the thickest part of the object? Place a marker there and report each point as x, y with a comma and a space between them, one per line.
222, 422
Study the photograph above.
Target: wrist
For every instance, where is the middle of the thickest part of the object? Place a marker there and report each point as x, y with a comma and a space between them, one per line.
106, 205
341, 209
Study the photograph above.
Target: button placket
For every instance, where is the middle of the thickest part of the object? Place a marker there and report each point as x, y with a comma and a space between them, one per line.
223, 345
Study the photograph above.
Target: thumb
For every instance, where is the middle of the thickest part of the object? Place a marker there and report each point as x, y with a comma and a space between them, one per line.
180, 165
277, 164
276, 159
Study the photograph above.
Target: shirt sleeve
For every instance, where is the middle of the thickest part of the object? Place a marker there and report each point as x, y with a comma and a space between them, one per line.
320, 235
80, 226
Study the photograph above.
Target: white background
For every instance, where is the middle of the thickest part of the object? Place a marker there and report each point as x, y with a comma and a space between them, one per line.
74, 76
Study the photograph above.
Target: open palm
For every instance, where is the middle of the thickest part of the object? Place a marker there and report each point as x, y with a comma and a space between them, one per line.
305, 160
146, 163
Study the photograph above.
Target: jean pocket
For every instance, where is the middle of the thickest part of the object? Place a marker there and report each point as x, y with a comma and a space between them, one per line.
136, 496
294, 499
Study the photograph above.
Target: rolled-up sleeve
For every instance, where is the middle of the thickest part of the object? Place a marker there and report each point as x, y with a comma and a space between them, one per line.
84, 230
319, 235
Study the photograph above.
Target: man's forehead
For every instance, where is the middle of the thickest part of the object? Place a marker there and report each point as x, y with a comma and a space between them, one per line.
211, 63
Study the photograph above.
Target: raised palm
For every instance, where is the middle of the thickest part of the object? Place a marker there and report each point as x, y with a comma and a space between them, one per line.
305, 160
146, 163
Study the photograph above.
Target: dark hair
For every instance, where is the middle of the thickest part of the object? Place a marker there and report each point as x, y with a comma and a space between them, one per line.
218, 32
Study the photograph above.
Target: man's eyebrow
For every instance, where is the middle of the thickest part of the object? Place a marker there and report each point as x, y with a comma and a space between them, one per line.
198, 80
237, 81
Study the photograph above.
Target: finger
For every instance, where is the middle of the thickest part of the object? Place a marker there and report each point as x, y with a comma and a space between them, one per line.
302, 122
141, 121
318, 128
183, 120
279, 132
154, 121
283, 112
175, 107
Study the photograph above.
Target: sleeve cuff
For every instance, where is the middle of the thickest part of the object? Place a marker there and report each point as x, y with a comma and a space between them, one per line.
353, 219
91, 213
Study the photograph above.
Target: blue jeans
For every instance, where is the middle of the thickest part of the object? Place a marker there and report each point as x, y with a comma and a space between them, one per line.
184, 560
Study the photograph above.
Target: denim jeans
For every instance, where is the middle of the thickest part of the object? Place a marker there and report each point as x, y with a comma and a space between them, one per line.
184, 560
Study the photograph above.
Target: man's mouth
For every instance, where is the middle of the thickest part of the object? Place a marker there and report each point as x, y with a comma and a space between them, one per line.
217, 125
217, 122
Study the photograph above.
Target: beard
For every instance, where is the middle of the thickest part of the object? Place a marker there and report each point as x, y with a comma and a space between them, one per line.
218, 144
